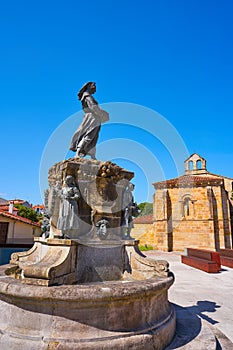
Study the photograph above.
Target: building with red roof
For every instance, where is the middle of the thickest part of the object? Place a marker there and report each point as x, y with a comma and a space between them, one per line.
15, 229
193, 210
39, 209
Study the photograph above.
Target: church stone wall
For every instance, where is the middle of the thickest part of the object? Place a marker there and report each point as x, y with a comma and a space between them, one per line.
204, 224
193, 210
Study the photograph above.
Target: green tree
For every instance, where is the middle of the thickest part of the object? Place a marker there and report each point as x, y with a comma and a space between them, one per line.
146, 208
27, 213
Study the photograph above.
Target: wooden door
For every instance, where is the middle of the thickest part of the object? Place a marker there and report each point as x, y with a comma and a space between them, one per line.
3, 232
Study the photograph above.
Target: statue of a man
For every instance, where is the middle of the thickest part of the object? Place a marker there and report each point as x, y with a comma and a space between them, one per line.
45, 226
130, 210
85, 137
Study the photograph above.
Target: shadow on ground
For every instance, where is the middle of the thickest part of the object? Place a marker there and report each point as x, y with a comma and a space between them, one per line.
188, 323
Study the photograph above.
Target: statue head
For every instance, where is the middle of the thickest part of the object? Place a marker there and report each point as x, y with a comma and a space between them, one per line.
69, 180
131, 186
90, 87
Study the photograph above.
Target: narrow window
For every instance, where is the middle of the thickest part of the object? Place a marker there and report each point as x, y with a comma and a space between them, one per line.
186, 207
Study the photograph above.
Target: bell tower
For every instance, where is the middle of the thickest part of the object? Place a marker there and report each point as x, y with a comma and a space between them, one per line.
195, 164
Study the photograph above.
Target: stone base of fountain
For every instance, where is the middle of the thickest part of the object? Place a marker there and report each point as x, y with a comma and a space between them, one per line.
95, 290
119, 309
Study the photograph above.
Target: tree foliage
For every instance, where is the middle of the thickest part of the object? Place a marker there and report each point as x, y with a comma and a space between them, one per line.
146, 208
27, 213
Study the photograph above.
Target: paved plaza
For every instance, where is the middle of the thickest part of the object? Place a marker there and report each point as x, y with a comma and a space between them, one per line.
208, 297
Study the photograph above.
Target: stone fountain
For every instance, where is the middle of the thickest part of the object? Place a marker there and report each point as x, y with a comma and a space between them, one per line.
94, 290
85, 284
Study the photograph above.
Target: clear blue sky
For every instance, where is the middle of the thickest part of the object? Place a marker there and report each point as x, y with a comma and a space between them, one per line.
174, 57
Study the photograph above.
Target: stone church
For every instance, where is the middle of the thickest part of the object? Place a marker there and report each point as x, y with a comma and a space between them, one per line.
193, 210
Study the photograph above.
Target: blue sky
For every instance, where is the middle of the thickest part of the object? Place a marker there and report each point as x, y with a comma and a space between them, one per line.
174, 57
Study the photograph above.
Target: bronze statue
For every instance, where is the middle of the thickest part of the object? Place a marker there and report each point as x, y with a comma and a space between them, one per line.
131, 210
45, 226
85, 137
68, 213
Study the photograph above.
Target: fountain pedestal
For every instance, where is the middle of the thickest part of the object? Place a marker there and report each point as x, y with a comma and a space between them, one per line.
94, 290
63, 261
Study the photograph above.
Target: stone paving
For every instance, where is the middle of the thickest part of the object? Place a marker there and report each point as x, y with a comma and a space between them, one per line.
208, 297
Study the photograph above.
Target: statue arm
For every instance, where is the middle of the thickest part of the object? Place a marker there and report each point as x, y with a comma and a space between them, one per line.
94, 108
76, 193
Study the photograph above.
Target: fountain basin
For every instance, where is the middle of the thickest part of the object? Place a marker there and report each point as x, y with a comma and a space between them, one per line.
100, 315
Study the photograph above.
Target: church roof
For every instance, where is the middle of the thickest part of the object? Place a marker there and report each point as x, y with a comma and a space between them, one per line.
190, 181
146, 219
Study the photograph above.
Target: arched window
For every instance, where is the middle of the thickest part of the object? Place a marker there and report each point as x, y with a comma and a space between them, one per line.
190, 165
186, 207
199, 164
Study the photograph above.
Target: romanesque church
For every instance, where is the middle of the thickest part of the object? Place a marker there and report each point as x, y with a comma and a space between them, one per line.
193, 210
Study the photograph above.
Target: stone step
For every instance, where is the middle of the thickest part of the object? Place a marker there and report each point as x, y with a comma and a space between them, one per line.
223, 342
192, 333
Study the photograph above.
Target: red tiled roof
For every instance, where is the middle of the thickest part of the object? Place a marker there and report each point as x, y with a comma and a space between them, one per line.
19, 202
19, 218
16, 201
189, 180
41, 206
221, 176
146, 219
4, 207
